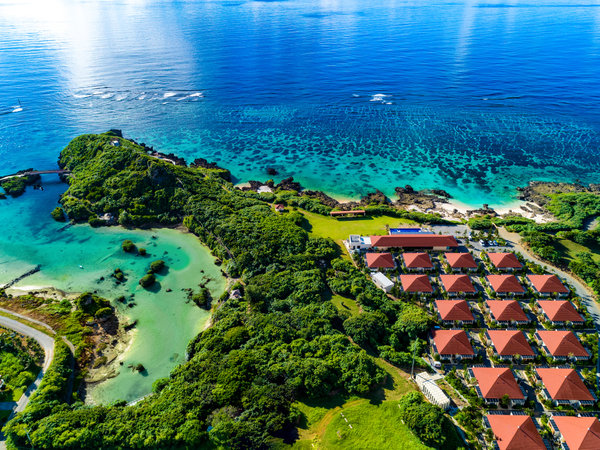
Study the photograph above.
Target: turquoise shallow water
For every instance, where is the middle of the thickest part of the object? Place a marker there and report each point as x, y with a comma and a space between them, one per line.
474, 97
166, 321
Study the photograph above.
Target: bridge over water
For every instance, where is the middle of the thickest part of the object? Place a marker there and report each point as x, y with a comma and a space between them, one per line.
35, 172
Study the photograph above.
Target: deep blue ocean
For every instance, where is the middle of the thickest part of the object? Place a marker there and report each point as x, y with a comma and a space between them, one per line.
475, 97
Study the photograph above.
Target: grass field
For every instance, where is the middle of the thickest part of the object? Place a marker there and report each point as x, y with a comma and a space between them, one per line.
345, 304
568, 249
340, 229
375, 420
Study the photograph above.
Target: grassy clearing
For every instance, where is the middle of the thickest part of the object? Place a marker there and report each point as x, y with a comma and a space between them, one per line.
375, 420
568, 249
340, 229
373, 426
346, 304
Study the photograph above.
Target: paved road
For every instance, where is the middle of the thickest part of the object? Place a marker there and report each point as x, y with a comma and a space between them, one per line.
47, 343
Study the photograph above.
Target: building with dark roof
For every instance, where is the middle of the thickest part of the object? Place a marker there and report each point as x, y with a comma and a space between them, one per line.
414, 241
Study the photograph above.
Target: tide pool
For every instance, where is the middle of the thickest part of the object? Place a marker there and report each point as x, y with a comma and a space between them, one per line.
75, 258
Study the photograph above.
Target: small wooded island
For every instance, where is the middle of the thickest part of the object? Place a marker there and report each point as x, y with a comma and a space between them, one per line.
302, 328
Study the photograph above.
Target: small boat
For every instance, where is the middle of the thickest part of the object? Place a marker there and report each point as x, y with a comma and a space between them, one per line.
80, 266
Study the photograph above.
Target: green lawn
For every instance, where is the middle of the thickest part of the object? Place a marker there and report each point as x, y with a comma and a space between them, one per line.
373, 427
345, 304
375, 422
568, 249
339, 229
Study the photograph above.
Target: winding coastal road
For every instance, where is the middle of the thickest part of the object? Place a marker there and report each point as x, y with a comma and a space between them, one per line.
46, 342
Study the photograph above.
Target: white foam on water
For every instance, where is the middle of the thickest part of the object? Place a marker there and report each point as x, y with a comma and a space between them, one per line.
378, 97
107, 95
142, 97
121, 97
82, 95
169, 94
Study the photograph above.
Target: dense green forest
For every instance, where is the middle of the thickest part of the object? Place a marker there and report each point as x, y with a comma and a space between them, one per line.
282, 341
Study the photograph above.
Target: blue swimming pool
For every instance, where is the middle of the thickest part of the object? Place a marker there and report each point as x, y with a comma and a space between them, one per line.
408, 230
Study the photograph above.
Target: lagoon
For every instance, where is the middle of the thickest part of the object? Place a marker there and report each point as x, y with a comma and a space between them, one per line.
166, 321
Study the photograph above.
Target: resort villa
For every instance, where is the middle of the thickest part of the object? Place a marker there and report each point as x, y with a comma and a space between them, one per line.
460, 262
493, 383
452, 344
380, 261
416, 284
577, 433
506, 312
564, 387
416, 262
559, 312
454, 312
561, 345
517, 431
504, 285
457, 285
510, 343
505, 261
547, 285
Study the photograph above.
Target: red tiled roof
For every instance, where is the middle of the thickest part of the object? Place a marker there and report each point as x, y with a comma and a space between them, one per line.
416, 240
452, 342
505, 283
461, 260
515, 432
580, 433
417, 260
416, 283
494, 382
505, 260
380, 260
547, 284
454, 310
560, 311
564, 384
562, 343
510, 342
507, 310
457, 283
